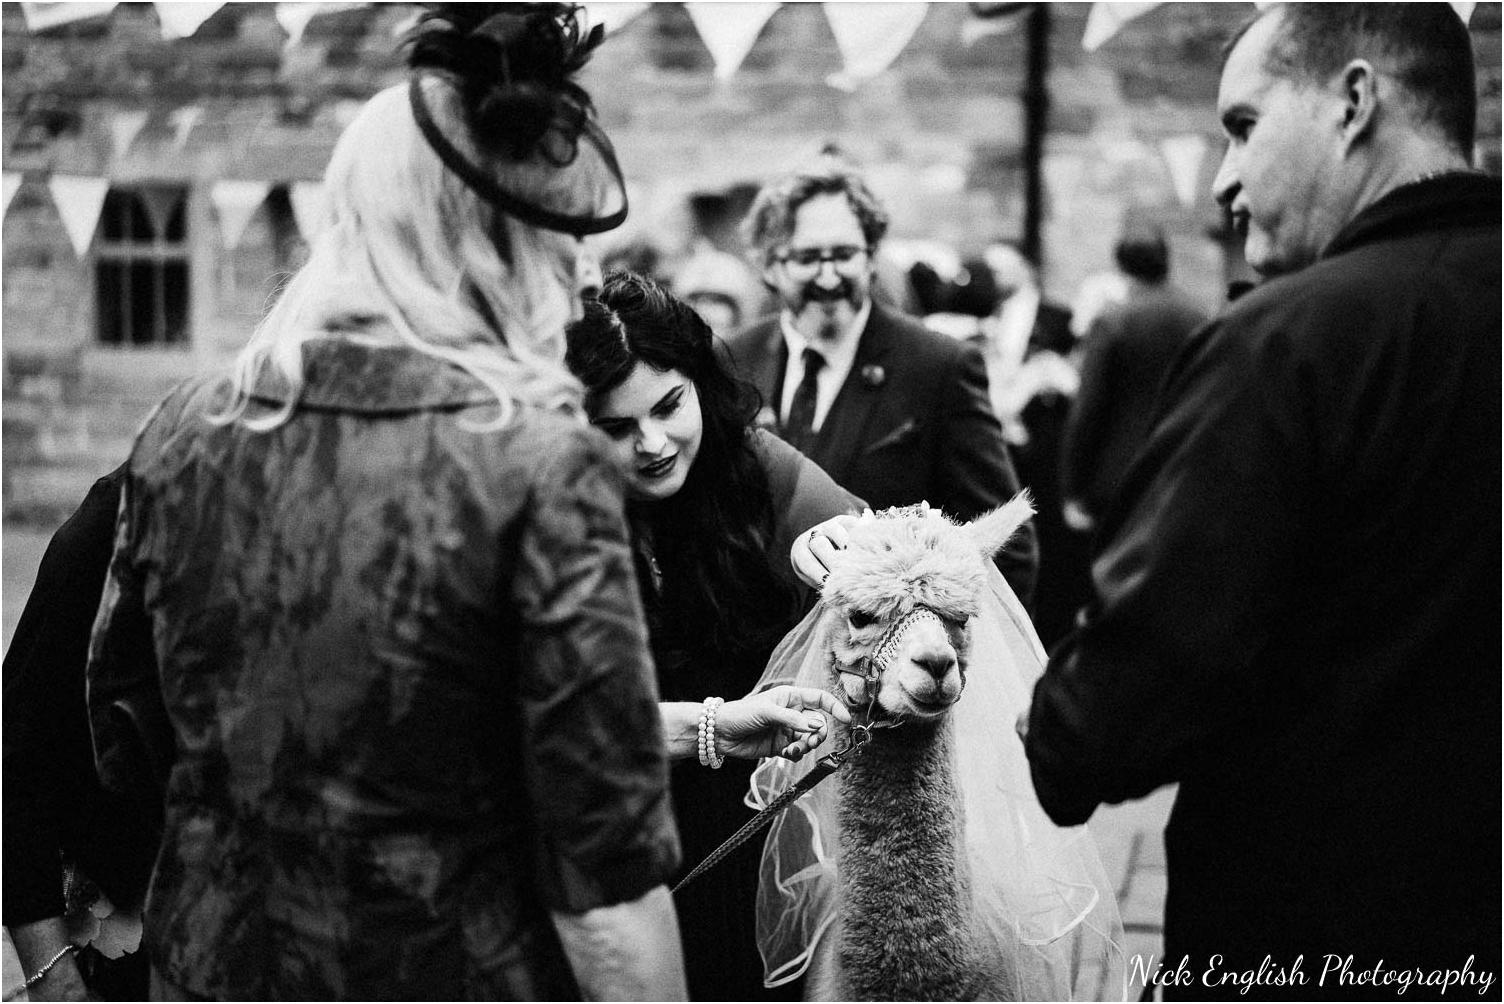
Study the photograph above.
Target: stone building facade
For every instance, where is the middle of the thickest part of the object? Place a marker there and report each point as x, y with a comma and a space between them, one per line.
91, 341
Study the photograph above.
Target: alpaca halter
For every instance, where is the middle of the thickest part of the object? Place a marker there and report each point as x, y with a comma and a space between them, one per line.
871, 668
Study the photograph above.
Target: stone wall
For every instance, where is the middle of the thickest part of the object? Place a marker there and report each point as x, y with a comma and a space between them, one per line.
940, 135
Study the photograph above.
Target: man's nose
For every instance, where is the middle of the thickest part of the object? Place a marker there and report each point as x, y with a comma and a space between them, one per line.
826, 272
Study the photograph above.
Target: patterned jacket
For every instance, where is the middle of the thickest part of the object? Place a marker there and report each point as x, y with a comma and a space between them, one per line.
410, 701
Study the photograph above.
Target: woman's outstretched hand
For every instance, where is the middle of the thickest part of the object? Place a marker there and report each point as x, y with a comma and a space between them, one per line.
784, 721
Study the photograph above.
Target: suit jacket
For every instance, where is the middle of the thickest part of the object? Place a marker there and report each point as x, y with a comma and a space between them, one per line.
1297, 611
1128, 353
913, 422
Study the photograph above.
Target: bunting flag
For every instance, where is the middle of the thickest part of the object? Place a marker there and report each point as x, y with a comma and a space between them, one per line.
307, 199
729, 30
294, 17
183, 120
1183, 155
124, 128
12, 180
160, 203
41, 16
870, 37
1106, 18
236, 202
78, 202
179, 20
614, 15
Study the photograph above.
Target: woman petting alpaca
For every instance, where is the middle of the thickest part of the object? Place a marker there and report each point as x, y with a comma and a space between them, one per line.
713, 506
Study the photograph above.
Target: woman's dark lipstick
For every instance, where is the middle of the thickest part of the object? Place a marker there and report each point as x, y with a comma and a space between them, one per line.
658, 468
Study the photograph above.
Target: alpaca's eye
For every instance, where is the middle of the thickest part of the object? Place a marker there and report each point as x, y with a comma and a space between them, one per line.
860, 619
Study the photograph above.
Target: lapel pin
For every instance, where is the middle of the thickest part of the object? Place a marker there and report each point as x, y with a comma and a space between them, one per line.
873, 375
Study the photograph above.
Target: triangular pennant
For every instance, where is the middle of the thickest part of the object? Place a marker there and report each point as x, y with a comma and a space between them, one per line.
160, 204
78, 202
1183, 155
294, 17
870, 37
614, 15
1106, 18
307, 199
125, 127
236, 202
183, 120
1464, 11
179, 20
41, 16
12, 180
729, 30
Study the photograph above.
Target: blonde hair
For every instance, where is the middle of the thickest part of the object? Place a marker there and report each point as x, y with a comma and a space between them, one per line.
406, 241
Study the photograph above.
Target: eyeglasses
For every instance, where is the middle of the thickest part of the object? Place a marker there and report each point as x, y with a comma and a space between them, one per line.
845, 258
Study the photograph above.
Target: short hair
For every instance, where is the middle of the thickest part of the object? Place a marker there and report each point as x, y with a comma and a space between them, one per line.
1144, 255
1425, 46
770, 221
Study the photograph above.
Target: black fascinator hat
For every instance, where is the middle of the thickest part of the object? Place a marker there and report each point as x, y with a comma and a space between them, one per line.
492, 93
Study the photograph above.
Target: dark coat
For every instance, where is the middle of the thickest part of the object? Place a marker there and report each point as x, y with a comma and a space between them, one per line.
1297, 611
913, 422
1127, 356
412, 708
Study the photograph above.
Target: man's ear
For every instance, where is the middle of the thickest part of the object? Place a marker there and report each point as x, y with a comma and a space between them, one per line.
769, 277
1360, 100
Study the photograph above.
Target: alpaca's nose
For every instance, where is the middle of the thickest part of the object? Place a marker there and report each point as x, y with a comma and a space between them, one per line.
938, 663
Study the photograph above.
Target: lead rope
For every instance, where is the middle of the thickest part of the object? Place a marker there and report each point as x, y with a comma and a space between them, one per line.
872, 667
826, 766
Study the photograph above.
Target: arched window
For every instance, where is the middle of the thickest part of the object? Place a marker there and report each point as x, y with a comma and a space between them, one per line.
141, 266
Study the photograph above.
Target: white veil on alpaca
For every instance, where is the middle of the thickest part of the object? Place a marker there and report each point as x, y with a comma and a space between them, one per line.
1042, 900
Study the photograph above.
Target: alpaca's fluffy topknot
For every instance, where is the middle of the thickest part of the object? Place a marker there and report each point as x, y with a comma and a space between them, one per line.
901, 558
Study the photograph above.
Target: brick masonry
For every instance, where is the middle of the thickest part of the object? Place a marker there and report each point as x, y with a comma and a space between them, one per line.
940, 134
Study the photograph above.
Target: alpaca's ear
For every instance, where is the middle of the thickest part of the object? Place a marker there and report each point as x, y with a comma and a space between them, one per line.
991, 531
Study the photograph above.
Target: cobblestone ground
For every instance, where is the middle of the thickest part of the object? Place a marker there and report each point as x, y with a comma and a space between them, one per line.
1130, 837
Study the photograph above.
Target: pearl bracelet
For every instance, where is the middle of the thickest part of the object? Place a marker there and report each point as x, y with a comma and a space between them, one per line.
706, 737
41, 974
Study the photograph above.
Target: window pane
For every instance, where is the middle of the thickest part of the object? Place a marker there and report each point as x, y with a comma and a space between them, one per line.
110, 291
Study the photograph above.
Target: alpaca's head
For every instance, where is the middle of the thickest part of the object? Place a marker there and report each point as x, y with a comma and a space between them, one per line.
906, 588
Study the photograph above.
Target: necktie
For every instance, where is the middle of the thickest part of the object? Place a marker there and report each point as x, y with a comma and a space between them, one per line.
799, 430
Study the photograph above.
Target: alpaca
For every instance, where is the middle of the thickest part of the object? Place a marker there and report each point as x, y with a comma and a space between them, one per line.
893, 636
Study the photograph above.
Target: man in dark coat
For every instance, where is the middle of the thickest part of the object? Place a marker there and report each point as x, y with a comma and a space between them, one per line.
895, 413
1128, 351
1297, 607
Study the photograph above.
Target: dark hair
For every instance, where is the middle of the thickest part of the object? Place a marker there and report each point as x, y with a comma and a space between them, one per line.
1143, 255
712, 536
1425, 46
770, 221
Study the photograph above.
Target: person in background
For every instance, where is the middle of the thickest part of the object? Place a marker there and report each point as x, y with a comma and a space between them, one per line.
714, 505
371, 611
1127, 353
718, 286
893, 412
55, 809
1297, 604
1031, 369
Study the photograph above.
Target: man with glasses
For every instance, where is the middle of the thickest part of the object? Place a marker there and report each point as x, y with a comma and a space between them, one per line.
892, 411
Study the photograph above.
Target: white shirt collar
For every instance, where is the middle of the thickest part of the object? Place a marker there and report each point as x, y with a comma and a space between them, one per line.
839, 356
